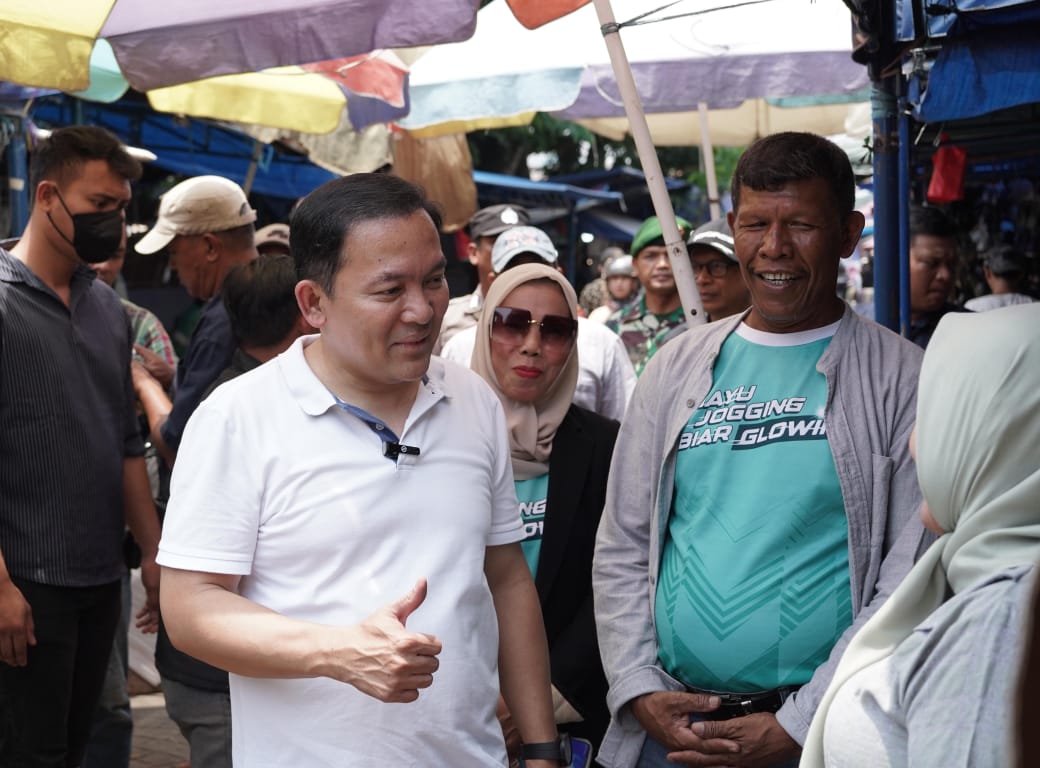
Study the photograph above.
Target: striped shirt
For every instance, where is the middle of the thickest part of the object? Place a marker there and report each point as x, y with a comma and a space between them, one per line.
67, 420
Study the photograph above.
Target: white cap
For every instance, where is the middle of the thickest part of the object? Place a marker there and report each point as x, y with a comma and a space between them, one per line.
519, 240
196, 206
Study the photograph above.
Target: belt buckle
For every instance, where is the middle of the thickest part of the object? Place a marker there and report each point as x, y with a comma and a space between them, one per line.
747, 706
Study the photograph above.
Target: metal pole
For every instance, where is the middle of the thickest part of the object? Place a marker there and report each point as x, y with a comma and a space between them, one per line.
571, 267
886, 204
18, 179
708, 158
677, 253
254, 161
904, 207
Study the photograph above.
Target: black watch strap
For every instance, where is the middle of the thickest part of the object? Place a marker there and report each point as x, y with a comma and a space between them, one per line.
557, 750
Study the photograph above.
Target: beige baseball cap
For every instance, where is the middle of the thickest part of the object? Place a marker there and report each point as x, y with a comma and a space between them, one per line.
196, 206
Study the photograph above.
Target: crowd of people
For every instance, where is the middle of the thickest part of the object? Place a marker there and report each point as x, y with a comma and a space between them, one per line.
515, 527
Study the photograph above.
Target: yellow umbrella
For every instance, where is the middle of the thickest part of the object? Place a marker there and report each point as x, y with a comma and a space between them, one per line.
309, 99
48, 43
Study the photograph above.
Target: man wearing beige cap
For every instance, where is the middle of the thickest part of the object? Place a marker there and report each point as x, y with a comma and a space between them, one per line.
206, 225
484, 226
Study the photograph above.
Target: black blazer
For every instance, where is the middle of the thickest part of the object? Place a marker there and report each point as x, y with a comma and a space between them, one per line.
578, 466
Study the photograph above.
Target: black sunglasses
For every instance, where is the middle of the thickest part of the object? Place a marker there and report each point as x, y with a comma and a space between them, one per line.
715, 267
512, 325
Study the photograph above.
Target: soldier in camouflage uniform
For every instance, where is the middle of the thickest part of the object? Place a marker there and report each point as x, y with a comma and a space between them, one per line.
643, 324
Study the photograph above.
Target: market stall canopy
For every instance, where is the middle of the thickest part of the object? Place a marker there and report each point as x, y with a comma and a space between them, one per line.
773, 49
191, 147
937, 16
989, 60
546, 200
631, 183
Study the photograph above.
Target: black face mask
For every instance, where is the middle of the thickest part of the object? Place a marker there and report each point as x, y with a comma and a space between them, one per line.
95, 236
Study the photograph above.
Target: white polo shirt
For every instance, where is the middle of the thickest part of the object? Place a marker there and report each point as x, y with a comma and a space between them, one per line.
275, 482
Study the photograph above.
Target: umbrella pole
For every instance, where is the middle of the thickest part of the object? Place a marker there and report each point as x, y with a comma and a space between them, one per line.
677, 253
254, 161
708, 158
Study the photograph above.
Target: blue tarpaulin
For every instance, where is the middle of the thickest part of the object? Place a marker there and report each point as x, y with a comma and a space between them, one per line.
939, 15
500, 188
189, 147
990, 60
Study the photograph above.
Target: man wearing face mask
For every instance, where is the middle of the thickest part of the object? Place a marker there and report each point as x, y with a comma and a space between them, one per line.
73, 469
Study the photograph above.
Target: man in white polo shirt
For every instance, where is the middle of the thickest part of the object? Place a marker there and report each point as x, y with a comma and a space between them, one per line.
342, 536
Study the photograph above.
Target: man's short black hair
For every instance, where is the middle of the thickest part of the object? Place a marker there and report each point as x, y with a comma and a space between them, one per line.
322, 221
65, 151
772, 162
260, 299
237, 238
927, 220
1005, 261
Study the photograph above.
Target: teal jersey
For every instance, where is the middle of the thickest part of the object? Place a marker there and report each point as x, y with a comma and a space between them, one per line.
754, 584
532, 494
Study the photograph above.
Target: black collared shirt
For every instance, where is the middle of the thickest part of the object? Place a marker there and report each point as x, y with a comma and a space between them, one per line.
208, 354
67, 421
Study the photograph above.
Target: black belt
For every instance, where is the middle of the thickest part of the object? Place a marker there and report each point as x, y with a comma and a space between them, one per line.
741, 704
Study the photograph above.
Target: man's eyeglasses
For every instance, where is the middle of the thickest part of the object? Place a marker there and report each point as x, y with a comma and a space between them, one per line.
511, 326
715, 267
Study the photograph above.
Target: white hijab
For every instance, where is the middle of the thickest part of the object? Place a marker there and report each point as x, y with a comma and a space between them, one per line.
532, 426
978, 463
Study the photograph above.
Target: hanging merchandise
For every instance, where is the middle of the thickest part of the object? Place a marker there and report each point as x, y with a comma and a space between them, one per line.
947, 184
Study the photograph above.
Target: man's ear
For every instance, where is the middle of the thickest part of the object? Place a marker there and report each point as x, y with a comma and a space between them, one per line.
311, 298
472, 252
45, 195
491, 277
854, 224
213, 246
302, 327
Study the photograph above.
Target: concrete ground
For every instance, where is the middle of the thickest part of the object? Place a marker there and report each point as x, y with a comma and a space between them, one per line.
157, 742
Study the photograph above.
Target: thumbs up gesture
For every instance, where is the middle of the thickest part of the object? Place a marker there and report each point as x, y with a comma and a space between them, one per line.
386, 661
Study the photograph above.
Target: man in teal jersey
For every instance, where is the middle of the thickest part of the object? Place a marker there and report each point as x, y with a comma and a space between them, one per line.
762, 499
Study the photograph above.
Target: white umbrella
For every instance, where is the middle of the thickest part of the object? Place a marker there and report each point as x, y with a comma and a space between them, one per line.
781, 54
676, 69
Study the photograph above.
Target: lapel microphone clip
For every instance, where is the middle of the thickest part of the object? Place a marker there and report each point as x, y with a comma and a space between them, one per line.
393, 450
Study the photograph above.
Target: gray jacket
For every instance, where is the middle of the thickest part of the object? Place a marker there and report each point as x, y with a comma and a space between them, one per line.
871, 407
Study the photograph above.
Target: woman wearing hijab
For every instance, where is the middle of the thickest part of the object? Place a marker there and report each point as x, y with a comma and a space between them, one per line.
525, 349
929, 680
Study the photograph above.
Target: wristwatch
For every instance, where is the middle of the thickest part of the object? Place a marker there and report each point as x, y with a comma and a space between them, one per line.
558, 750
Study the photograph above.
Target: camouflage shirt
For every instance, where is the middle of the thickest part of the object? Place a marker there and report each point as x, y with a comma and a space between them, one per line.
593, 295
642, 332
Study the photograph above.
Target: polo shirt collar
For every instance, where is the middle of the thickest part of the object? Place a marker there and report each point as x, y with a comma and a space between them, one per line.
476, 302
11, 269
14, 270
315, 399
